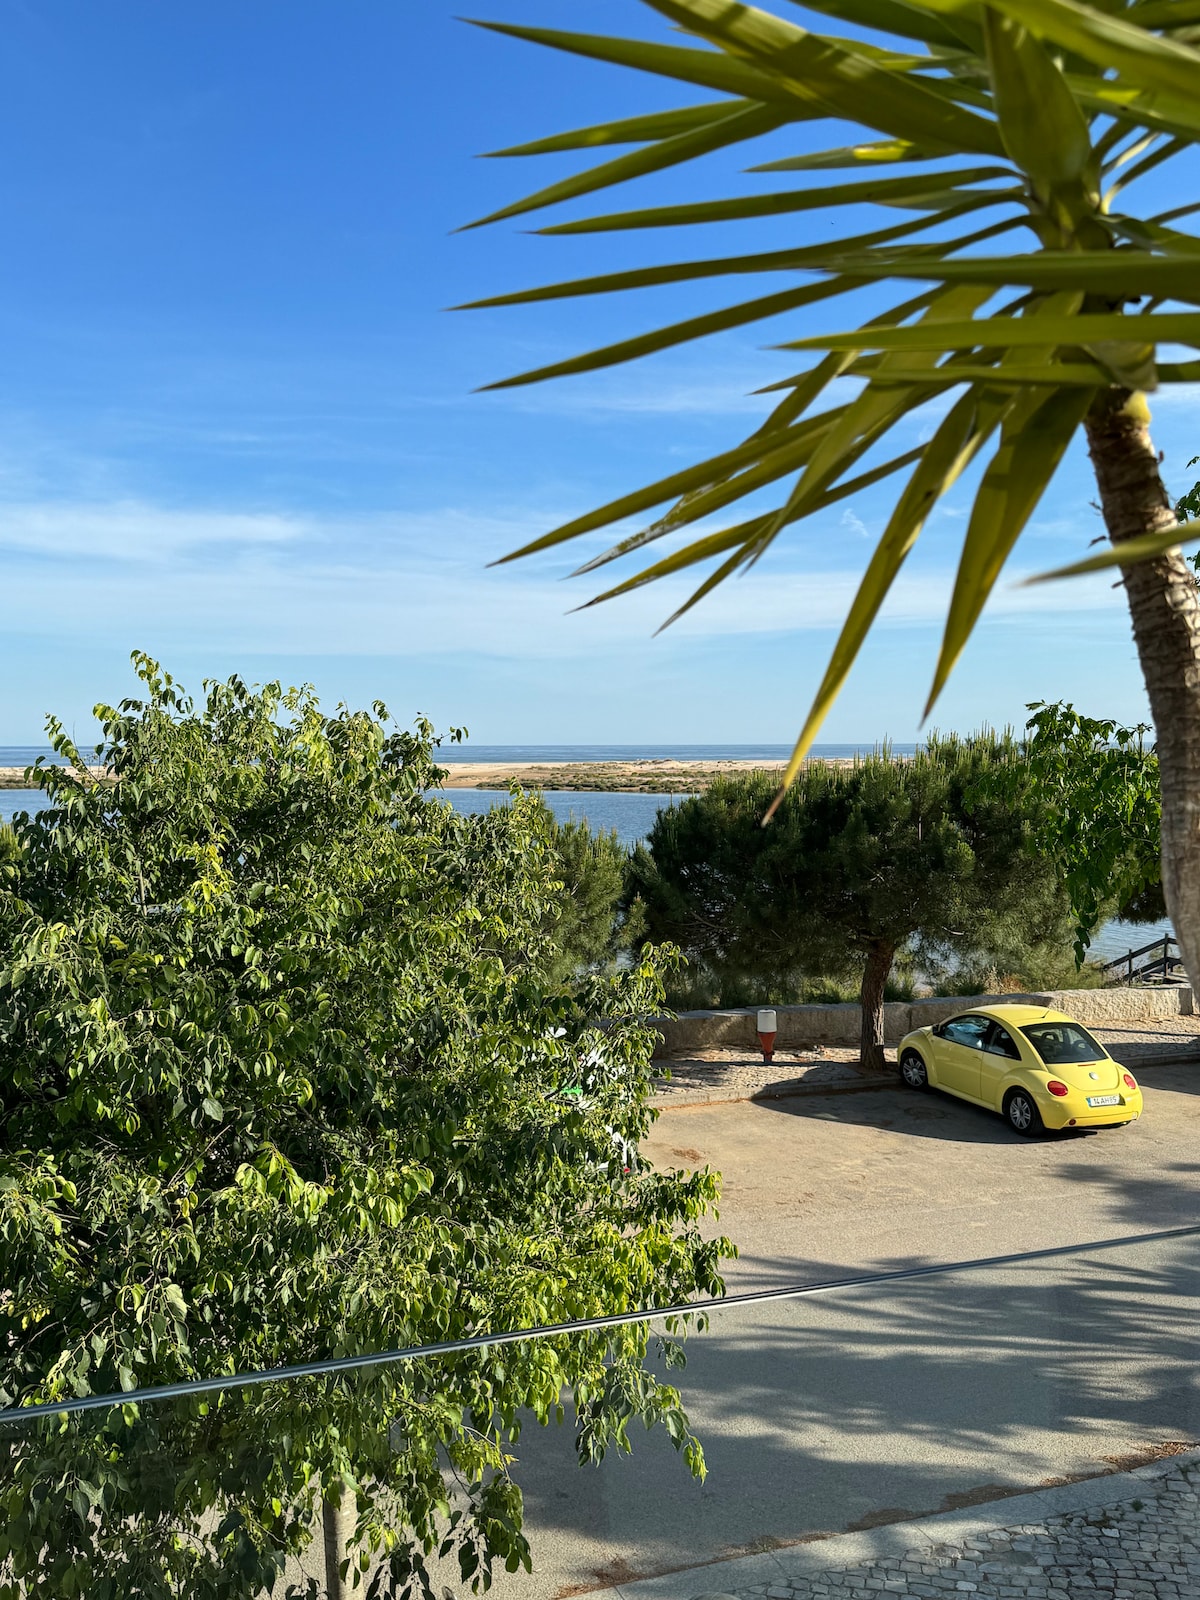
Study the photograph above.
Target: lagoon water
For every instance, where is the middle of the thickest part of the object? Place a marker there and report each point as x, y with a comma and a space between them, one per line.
23, 755
632, 816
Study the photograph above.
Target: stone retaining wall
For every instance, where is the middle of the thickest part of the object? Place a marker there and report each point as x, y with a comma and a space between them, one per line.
841, 1024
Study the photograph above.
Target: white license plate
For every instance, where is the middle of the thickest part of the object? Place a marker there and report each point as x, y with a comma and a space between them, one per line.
1104, 1099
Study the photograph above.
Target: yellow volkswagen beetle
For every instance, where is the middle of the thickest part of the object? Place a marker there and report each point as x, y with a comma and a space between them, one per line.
1036, 1067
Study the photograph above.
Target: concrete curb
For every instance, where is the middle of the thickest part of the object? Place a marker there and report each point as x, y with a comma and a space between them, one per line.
924, 1535
720, 1097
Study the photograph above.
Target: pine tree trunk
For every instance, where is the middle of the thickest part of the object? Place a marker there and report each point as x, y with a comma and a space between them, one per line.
1165, 608
875, 976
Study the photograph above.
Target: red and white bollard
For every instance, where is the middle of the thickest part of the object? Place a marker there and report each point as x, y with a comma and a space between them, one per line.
766, 1034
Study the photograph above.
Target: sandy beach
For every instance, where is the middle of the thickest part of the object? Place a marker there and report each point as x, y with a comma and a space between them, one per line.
14, 777
644, 777
632, 777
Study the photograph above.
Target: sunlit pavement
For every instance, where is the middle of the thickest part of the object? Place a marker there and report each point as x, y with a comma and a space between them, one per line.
1135, 1536
819, 1416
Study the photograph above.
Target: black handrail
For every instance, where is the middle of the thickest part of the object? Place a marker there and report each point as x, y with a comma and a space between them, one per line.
1163, 961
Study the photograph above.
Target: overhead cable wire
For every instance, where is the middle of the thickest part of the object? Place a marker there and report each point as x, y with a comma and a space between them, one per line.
485, 1341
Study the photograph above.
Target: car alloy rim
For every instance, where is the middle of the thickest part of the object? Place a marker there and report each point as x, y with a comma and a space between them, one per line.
913, 1070
1018, 1112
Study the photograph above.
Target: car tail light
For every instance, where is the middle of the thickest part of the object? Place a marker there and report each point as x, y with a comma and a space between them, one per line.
1130, 1081
1057, 1088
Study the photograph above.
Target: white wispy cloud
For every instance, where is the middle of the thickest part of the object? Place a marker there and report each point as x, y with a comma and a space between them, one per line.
404, 585
134, 530
855, 524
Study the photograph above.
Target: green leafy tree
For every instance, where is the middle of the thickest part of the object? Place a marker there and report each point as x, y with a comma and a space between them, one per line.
1099, 814
969, 122
1187, 507
858, 864
281, 1079
589, 921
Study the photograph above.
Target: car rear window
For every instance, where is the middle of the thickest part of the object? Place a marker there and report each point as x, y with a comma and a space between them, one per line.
1061, 1043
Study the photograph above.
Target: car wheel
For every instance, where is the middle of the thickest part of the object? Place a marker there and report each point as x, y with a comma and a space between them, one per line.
1022, 1113
912, 1070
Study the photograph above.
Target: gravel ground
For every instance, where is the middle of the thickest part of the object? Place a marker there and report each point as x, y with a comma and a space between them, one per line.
728, 1073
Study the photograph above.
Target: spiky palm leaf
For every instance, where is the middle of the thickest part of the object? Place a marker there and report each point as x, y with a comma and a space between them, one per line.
1058, 106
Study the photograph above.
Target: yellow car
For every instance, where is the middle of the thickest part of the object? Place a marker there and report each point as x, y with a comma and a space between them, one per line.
1036, 1067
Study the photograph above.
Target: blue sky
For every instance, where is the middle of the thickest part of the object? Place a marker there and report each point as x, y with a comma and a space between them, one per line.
237, 427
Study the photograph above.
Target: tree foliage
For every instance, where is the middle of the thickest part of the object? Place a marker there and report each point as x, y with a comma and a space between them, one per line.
969, 124
282, 1078
1187, 507
1099, 815
856, 865
590, 921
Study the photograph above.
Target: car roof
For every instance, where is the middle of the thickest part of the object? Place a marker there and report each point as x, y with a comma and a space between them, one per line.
1018, 1016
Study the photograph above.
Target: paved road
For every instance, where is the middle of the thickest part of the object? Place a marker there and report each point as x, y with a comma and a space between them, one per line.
824, 1415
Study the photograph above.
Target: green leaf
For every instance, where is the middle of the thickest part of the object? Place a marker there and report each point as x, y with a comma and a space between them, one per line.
958, 439
704, 67
1044, 130
746, 534
805, 258
804, 392
796, 447
1015, 333
1141, 58
669, 488
881, 152
1015, 375
910, 190
839, 81
1153, 110
1165, 14
770, 305
175, 1302
1146, 547
876, 409
1112, 273
628, 130
894, 16
1034, 437
747, 123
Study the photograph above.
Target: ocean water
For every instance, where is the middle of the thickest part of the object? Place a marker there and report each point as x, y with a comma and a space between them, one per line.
632, 816
449, 754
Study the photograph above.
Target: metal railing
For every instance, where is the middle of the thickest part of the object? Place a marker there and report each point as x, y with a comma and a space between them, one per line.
1159, 961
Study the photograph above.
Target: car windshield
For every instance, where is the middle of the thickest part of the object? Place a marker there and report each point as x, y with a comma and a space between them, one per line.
1060, 1043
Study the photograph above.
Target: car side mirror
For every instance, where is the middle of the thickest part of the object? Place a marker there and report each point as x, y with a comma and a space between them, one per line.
938, 1029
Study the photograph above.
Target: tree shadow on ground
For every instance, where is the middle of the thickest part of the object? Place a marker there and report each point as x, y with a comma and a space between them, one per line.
901, 1399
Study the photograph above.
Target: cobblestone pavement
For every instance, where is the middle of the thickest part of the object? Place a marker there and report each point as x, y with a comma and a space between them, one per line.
1164, 1039
1147, 1548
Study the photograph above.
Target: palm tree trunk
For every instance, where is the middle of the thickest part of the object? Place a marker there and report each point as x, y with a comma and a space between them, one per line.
1165, 608
875, 975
